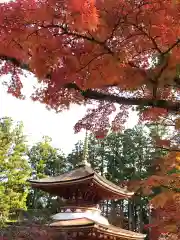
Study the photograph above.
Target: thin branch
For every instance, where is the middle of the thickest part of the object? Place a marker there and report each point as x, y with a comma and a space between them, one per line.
172, 46
169, 149
16, 62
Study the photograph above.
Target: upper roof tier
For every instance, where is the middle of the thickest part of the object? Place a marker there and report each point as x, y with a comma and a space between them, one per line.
82, 183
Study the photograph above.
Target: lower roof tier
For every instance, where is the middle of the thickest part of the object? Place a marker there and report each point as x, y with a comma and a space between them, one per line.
87, 229
82, 183
90, 218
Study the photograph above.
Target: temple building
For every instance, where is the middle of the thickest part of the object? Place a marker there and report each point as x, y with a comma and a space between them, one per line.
81, 190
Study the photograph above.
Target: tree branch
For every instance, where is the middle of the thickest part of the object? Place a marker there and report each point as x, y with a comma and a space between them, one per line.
16, 62
169, 149
95, 95
171, 106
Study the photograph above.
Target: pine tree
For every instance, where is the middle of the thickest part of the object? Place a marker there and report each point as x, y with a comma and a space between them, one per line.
14, 168
76, 156
123, 158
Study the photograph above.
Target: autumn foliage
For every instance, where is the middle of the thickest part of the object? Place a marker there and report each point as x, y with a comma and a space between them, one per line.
112, 54
163, 188
30, 231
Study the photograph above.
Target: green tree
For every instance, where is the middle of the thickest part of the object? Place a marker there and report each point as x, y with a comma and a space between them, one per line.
75, 157
122, 158
127, 157
95, 154
45, 160
14, 168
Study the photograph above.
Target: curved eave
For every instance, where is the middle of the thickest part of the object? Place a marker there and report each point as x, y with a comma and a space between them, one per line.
119, 232
105, 185
110, 230
45, 182
111, 187
80, 176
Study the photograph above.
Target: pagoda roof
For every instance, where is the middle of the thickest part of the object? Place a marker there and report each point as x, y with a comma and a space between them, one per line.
96, 229
79, 176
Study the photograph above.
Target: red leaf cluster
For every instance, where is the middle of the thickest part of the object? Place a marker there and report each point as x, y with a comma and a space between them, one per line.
126, 49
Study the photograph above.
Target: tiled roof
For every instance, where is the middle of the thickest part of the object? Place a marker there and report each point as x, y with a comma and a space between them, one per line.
80, 175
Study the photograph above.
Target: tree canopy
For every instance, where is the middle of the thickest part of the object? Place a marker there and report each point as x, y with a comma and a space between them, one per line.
14, 168
126, 159
113, 55
45, 160
124, 52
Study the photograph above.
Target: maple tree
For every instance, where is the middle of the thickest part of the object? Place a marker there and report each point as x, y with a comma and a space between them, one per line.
116, 54
124, 52
163, 186
30, 231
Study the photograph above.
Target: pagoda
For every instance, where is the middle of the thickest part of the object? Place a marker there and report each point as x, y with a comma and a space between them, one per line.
81, 190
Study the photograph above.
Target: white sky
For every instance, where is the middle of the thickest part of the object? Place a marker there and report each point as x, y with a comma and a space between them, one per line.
39, 122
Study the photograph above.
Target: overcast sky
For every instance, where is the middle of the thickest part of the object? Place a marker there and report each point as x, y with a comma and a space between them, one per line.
38, 121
